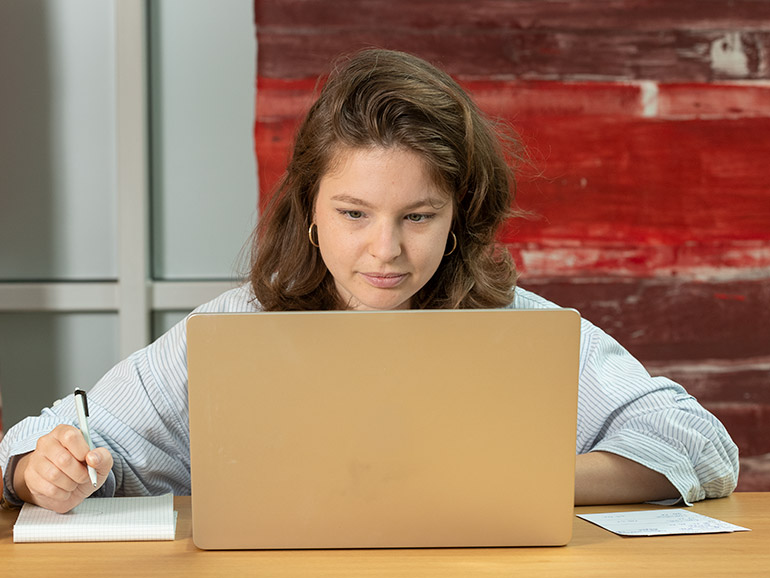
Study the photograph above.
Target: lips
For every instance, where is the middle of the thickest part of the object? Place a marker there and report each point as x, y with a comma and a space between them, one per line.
384, 280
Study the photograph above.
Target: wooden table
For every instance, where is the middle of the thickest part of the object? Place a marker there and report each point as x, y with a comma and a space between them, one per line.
592, 552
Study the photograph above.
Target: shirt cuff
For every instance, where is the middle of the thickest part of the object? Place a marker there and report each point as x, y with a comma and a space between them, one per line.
9, 499
659, 457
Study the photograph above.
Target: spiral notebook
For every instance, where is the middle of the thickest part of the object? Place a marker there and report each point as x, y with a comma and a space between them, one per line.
100, 520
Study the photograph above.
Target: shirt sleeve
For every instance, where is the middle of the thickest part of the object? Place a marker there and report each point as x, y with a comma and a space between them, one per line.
138, 411
650, 420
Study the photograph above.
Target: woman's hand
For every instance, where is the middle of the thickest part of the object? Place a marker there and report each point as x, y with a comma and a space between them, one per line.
55, 475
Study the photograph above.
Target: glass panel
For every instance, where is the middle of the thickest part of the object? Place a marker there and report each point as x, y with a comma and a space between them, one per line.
204, 189
57, 141
45, 356
162, 321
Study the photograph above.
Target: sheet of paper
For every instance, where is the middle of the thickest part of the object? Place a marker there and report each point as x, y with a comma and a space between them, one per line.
100, 520
660, 523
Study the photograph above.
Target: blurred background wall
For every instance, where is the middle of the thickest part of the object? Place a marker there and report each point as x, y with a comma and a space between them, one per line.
127, 179
648, 124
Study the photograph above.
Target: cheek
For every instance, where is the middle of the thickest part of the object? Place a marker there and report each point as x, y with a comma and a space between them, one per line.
336, 247
431, 254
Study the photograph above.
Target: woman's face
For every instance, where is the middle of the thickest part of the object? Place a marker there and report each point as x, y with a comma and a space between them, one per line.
382, 226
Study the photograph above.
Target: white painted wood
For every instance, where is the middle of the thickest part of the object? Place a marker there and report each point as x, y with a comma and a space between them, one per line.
105, 296
133, 175
59, 297
184, 295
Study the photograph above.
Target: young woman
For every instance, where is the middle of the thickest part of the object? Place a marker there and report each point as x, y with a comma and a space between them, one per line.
392, 199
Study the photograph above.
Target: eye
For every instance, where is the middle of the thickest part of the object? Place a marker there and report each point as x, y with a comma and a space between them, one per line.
418, 217
352, 214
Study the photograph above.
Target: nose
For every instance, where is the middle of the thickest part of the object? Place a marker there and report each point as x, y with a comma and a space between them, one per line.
385, 243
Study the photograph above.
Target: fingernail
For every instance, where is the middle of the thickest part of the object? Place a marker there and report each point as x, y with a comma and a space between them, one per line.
95, 459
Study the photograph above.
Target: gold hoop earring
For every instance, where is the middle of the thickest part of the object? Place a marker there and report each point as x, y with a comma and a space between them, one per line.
454, 244
310, 234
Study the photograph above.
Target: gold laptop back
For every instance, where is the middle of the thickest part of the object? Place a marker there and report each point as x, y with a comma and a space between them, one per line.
383, 429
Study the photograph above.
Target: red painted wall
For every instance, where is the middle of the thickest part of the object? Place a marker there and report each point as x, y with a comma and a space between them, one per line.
648, 123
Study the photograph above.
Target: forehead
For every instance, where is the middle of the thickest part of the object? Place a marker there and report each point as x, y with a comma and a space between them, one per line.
392, 169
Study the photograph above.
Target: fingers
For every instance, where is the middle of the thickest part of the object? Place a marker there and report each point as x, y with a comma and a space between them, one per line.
100, 459
65, 449
55, 476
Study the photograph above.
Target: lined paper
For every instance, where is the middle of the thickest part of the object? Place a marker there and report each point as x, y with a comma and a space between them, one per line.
100, 520
660, 523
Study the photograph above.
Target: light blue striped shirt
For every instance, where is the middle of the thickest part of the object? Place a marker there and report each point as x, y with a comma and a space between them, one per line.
140, 413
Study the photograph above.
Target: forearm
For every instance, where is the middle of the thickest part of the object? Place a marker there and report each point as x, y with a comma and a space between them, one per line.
605, 478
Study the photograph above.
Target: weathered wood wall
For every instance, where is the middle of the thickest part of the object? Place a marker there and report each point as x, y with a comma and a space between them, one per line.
648, 123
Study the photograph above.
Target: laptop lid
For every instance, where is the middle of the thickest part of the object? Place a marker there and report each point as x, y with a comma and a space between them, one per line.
448, 428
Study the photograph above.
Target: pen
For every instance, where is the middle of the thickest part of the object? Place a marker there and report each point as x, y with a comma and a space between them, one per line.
81, 405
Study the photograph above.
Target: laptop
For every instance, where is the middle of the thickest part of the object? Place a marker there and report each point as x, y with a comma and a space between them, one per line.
400, 429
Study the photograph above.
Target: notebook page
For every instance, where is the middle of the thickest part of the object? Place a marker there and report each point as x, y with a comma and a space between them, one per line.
100, 520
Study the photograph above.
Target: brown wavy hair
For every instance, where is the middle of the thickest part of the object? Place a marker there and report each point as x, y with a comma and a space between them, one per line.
383, 98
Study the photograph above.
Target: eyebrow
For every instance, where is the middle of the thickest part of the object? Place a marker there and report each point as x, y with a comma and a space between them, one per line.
425, 202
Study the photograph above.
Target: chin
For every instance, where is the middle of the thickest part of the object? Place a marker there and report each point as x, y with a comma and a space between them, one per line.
390, 304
